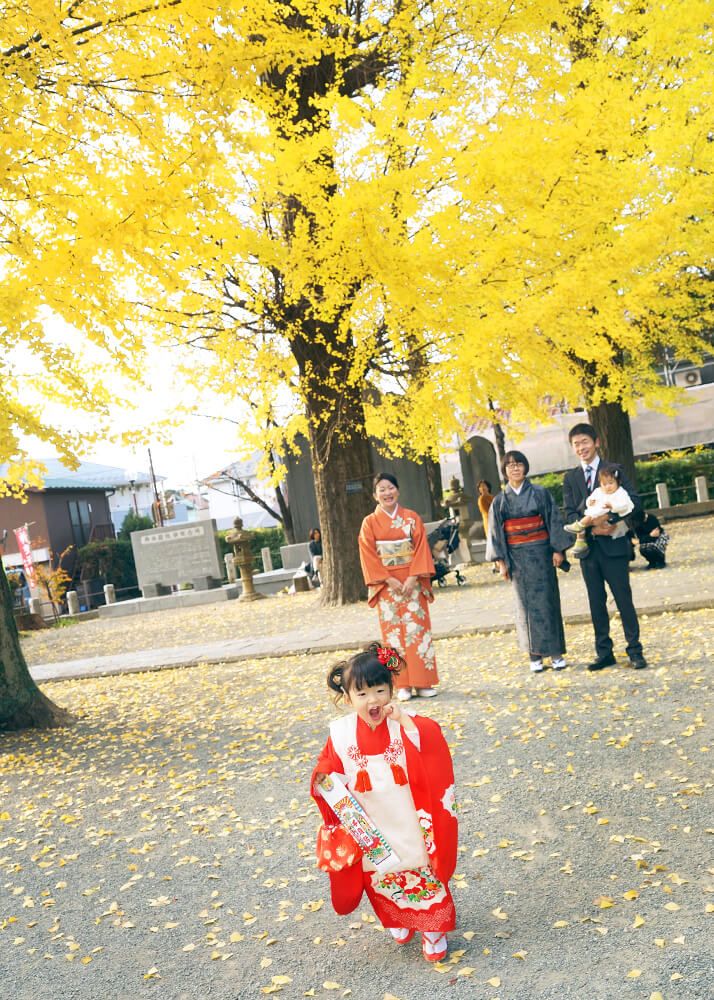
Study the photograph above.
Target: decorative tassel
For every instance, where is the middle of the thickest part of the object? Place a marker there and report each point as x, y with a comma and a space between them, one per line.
363, 784
400, 777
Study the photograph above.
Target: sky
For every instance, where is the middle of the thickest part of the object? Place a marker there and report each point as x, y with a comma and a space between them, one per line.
185, 445
199, 448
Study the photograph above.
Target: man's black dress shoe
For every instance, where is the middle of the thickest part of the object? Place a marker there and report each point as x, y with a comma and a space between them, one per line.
638, 662
603, 661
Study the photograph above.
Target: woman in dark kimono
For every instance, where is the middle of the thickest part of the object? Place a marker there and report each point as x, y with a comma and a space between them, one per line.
527, 542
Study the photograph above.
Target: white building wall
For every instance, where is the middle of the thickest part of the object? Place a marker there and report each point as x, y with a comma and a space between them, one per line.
224, 506
122, 501
548, 448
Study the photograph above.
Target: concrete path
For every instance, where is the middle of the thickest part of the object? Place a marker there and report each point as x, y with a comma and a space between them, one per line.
298, 624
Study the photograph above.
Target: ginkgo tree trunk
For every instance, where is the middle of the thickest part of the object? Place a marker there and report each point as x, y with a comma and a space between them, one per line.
22, 704
341, 459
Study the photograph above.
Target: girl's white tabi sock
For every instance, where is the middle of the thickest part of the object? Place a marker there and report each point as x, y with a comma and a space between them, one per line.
434, 942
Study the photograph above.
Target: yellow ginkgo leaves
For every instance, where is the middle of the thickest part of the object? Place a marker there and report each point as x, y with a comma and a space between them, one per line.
604, 902
276, 984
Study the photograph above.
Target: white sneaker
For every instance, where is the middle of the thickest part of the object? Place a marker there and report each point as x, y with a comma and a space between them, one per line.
404, 694
559, 663
426, 692
536, 666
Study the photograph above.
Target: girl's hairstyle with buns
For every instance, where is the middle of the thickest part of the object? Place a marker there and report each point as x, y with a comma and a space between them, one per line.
366, 669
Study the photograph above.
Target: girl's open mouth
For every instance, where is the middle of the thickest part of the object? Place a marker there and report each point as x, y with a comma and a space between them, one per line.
375, 713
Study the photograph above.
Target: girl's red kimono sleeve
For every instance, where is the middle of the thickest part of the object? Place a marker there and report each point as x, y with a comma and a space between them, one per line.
431, 779
346, 886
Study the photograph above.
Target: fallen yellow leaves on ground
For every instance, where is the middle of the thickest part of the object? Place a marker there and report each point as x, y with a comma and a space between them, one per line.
189, 790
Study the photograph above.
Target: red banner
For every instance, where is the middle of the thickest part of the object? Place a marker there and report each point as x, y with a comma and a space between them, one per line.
28, 563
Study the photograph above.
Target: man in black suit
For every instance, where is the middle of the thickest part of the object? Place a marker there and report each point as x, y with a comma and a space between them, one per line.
608, 560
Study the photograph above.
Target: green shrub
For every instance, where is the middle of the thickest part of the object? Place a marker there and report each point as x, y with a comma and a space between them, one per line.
112, 560
273, 538
133, 522
552, 481
677, 469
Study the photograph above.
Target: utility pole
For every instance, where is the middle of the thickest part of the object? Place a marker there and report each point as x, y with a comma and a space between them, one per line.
157, 500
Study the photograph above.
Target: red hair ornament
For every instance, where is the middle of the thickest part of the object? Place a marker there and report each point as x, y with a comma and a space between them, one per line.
388, 657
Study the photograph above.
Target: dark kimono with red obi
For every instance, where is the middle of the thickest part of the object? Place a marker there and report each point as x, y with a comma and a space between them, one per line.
405, 783
524, 530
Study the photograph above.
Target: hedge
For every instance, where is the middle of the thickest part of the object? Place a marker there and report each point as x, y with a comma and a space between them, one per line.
273, 538
677, 469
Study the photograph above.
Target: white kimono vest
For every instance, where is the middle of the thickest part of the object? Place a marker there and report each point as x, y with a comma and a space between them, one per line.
390, 806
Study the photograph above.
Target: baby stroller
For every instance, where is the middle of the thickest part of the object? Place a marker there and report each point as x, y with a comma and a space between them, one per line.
444, 540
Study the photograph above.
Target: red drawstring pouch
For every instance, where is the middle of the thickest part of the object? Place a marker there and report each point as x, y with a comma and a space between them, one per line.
336, 849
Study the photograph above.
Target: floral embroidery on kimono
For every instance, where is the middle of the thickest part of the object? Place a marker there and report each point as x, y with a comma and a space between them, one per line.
427, 829
410, 889
448, 800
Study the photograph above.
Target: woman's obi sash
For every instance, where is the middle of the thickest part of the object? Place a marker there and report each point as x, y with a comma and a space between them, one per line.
397, 552
522, 530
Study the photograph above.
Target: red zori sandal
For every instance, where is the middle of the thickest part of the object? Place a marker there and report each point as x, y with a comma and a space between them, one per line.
402, 935
434, 945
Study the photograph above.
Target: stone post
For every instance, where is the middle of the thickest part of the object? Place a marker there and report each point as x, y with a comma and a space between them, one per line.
700, 485
239, 538
35, 605
229, 560
458, 503
110, 594
72, 602
662, 495
267, 559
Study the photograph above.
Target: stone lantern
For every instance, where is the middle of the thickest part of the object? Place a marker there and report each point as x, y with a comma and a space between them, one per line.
457, 501
239, 538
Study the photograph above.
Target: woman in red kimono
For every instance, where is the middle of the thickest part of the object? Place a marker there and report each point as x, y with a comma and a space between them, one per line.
399, 769
398, 567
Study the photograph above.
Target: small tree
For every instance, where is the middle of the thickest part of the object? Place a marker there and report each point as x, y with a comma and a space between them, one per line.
54, 578
133, 522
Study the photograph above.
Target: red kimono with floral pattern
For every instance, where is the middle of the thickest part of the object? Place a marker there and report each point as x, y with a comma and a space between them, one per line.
405, 782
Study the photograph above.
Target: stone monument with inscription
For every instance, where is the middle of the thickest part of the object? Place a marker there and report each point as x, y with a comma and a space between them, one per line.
177, 555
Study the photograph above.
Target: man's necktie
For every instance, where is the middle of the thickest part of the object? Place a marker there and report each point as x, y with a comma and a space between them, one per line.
589, 479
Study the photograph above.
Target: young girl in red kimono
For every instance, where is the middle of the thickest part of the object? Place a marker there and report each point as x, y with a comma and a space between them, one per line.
398, 766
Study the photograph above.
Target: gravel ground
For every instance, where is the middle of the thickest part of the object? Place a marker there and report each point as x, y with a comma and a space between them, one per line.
163, 845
